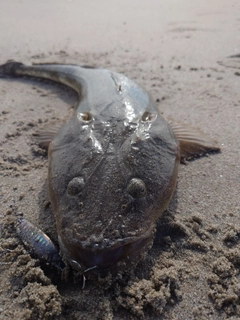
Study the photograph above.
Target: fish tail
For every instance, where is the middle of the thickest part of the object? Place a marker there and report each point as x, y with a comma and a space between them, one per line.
10, 68
63, 74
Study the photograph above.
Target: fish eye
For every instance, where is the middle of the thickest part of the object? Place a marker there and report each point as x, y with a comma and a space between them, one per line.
136, 188
75, 186
85, 116
148, 116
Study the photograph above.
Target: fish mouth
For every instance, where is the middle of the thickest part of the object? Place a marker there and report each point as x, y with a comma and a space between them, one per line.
85, 259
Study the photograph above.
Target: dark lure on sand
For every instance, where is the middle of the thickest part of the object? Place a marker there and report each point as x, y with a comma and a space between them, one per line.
112, 167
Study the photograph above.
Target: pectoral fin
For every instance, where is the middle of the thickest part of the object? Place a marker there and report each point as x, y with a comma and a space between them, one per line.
44, 136
192, 142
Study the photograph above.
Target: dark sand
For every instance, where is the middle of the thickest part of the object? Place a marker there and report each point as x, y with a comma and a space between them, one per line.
173, 49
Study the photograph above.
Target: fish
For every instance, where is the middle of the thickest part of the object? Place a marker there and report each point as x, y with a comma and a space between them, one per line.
112, 167
38, 243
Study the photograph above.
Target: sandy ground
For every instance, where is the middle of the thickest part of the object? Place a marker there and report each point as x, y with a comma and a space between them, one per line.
173, 48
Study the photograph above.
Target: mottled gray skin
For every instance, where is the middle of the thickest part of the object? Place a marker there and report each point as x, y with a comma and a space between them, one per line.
115, 135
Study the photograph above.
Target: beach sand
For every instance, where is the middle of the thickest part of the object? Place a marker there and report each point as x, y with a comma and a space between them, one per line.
178, 50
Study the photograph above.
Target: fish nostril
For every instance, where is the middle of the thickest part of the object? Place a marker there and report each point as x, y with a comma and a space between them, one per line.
148, 116
136, 188
75, 186
123, 207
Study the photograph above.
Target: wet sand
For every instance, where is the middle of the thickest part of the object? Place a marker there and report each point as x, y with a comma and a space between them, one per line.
178, 51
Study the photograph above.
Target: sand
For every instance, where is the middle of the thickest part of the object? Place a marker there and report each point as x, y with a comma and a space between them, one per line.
178, 51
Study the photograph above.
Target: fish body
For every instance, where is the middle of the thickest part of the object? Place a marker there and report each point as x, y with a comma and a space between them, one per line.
38, 243
112, 167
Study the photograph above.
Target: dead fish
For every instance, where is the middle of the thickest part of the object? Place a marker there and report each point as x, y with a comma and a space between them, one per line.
38, 243
112, 167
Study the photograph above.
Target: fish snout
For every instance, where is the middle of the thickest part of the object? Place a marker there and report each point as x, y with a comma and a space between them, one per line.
100, 256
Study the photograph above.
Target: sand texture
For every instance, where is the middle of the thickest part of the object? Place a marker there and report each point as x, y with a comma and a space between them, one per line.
179, 51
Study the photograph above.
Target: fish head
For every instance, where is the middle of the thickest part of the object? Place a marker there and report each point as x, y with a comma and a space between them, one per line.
108, 183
